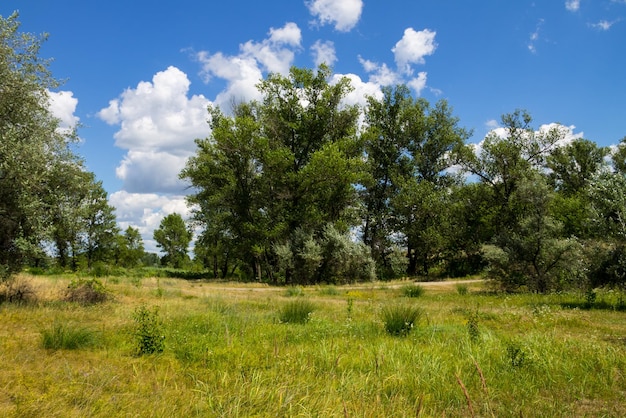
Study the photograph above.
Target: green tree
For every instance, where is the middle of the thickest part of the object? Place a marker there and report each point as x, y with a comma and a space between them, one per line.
407, 142
574, 165
100, 230
309, 167
531, 253
173, 237
31, 146
227, 173
504, 160
130, 249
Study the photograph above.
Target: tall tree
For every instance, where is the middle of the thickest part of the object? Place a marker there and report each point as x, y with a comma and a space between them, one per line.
173, 237
312, 146
507, 157
129, 248
100, 227
30, 145
226, 172
407, 142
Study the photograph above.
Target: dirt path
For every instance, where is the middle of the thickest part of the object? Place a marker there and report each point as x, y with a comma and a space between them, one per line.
443, 285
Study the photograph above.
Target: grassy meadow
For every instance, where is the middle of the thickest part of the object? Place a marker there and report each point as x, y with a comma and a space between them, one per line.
243, 350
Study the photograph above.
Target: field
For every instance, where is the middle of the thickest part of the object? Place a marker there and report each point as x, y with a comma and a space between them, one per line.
226, 352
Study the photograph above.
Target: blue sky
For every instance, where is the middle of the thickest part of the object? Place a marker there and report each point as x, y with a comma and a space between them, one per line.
139, 74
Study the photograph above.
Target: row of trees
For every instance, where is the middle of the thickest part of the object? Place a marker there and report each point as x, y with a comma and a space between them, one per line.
50, 204
289, 189
301, 188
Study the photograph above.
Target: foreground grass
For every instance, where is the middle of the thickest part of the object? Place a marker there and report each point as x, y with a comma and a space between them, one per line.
227, 353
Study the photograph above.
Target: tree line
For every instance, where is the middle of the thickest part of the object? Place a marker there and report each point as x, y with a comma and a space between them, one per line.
301, 187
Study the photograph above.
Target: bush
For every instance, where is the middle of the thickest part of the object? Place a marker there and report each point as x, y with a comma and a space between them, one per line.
148, 332
62, 337
296, 312
399, 320
413, 291
86, 292
17, 289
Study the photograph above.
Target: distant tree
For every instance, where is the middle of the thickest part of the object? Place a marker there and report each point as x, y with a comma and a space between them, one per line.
130, 249
100, 226
173, 237
31, 146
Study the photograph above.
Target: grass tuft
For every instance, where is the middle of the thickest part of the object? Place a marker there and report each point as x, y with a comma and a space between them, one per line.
63, 337
399, 320
296, 312
413, 291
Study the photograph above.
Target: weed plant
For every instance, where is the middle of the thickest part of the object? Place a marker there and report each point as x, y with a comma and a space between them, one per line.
148, 332
462, 289
292, 291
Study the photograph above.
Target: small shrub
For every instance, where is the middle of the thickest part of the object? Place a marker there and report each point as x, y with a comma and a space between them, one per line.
462, 289
400, 319
296, 312
17, 290
63, 337
413, 291
86, 292
515, 354
148, 332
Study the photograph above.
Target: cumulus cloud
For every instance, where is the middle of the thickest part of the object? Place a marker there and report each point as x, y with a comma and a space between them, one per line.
158, 124
158, 114
413, 47
572, 5
343, 14
410, 50
63, 104
324, 53
244, 71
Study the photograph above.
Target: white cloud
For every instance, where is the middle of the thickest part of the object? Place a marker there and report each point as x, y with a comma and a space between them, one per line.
324, 53
158, 115
158, 123
492, 124
572, 5
145, 211
343, 14
603, 25
244, 71
152, 172
418, 83
413, 47
63, 104
534, 37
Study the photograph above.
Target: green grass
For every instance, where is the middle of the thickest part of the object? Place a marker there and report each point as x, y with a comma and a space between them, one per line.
226, 353
296, 312
413, 290
64, 337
